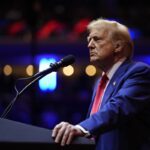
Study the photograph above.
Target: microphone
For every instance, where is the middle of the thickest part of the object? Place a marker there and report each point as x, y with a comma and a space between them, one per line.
67, 60
53, 67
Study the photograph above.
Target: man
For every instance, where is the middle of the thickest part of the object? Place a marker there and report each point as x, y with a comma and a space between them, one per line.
122, 121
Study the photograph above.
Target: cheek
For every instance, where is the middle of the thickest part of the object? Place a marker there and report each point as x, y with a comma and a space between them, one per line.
105, 51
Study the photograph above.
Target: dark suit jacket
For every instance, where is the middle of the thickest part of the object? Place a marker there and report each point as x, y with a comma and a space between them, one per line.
123, 121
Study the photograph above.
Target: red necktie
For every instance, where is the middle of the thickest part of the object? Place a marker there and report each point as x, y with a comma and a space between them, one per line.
99, 93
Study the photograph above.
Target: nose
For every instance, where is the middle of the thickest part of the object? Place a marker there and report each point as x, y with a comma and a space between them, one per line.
91, 44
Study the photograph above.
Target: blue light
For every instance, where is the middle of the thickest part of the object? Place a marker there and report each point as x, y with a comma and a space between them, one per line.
48, 82
134, 33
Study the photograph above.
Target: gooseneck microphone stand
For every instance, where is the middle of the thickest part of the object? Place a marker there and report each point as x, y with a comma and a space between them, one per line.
35, 78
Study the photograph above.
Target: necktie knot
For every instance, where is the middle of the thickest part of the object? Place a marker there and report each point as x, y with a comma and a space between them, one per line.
104, 79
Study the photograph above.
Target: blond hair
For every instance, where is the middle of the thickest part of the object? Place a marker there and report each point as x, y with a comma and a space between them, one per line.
117, 30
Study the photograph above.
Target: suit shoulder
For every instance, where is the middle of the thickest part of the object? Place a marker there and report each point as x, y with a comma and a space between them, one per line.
139, 66
139, 69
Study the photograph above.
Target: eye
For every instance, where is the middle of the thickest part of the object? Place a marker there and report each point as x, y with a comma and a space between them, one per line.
96, 38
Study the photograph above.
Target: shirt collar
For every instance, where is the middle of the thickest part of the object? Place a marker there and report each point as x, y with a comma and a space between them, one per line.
114, 68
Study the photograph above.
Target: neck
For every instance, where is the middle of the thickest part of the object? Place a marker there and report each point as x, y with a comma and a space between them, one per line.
107, 66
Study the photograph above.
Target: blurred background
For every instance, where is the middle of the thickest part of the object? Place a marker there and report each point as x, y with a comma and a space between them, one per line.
34, 34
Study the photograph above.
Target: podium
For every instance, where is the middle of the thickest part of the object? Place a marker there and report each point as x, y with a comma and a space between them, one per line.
20, 135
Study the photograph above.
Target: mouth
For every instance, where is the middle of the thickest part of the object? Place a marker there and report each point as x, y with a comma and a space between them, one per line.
92, 54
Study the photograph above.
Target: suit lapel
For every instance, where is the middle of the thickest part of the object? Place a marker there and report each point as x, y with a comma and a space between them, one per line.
114, 81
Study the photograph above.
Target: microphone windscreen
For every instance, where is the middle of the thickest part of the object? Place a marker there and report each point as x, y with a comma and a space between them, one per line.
67, 60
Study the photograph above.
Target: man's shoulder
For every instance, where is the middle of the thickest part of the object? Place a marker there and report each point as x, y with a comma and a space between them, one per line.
140, 63
131, 68
139, 66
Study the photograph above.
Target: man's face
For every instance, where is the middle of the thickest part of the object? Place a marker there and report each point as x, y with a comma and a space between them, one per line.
101, 47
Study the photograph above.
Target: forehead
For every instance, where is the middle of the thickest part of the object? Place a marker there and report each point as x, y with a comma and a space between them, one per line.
97, 31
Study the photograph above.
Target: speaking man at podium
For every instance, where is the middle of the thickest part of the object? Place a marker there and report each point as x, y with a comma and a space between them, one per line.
119, 114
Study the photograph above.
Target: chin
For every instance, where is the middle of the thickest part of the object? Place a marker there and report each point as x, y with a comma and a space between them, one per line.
93, 61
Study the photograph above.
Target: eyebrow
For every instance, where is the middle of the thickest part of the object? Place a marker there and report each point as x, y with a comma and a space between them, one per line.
90, 37
93, 36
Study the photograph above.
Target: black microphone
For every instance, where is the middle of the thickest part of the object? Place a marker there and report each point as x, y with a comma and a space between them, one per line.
67, 60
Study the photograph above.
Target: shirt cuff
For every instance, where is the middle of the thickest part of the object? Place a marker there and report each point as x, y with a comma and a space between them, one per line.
87, 133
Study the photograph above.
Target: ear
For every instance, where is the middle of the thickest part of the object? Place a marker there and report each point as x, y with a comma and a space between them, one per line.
118, 46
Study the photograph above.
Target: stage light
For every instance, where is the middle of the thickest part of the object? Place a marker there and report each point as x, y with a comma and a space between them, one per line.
29, 70
48, 82
7, 70
68, 71
90, 70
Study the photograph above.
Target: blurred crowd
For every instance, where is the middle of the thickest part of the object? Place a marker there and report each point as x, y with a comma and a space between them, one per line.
43, 19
